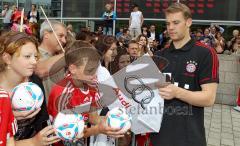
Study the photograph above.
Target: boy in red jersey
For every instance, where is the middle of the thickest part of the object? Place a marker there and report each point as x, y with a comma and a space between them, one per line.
7, 121
79, 87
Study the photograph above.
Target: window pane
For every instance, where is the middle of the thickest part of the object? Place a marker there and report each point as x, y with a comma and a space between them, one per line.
49, 6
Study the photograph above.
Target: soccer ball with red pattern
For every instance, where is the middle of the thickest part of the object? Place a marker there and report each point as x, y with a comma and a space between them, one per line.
69, 127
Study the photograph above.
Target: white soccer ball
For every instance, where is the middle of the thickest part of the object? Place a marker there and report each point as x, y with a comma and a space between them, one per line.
27, 96
118, 118
69, 127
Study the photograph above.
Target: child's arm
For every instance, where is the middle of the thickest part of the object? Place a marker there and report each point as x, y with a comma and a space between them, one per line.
99, 126
41, 139
102, 128
94, 118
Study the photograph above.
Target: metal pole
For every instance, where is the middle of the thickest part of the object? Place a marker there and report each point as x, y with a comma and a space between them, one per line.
61, 11
114, 21
17, 3
178, 1
207, 22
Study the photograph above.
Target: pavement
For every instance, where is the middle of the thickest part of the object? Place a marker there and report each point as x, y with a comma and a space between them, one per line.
222, 125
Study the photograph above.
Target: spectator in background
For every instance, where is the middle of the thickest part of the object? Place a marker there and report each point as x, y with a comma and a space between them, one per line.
7, 14
99, 30
163, 38
108, 16
199, 35
33, 18
207, 39
235, 34
69, 41
120, 33
50, 50
83, 35
219, 43
121, 60
70, 30
17, 24
152, 33
206, 32
107, 47
133, 50
235, 45
145, 30
152, 45
135, 22
143, 45
215, 28
126, 37
14, 12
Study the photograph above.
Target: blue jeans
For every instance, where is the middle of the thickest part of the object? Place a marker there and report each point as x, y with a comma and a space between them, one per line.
107, 30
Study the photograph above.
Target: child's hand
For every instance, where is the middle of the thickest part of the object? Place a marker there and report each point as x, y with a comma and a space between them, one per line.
46, 137
105, 129
23, 115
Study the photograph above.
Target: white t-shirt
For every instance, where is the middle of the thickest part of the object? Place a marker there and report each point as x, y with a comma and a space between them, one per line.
136, 19
152, 35
101, 139
33, 17
7, 16
102, 73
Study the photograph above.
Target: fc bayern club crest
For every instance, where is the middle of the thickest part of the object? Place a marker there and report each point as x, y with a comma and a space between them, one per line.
191, 66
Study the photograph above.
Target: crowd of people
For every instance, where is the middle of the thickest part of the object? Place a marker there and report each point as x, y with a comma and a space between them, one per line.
12, 19
211, 36
90, 57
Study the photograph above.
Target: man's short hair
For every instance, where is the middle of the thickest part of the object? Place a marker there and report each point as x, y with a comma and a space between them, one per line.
80, 52
179, 7
46, 27
132, 42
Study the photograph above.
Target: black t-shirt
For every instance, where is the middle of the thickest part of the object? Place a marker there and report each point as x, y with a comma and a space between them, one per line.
29, 128
189, 67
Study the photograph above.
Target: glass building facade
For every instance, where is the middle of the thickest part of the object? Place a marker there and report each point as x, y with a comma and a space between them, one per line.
89, 12
201, 9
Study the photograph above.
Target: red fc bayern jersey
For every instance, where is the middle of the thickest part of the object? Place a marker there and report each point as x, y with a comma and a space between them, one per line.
8, 126
65, 95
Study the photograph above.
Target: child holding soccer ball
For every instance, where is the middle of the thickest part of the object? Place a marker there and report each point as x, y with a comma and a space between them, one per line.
18, 58
79, 87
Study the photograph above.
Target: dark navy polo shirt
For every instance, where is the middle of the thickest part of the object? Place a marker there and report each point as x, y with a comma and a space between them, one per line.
189, 67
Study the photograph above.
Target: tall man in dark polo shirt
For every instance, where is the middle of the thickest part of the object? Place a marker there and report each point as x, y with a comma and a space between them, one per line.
193, 68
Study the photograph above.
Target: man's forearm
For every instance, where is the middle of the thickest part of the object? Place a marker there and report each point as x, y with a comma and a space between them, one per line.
197, 98
43, 66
